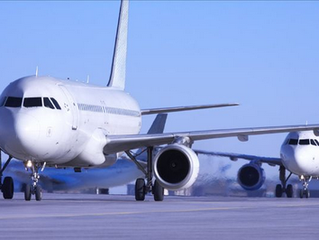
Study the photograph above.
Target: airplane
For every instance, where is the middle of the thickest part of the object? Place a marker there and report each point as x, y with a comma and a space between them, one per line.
299, 155
50, 122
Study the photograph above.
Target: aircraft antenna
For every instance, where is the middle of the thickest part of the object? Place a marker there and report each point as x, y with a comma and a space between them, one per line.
88, 79
36, 71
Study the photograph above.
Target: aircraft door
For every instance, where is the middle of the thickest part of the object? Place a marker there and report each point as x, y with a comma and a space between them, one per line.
71, 107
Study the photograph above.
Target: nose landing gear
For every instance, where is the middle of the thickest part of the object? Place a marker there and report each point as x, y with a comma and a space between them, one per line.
33, 189
305, 182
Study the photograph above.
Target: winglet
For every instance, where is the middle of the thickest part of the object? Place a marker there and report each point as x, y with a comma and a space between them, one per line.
117, 76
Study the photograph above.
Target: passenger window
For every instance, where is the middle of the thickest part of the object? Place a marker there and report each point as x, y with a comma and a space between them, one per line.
56, 104
312, 142
304, 142
13, 102
48, 103
293, 141
32, 102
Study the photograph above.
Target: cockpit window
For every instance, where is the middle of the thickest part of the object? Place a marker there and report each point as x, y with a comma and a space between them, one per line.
56, 104
32, 102
13, 102
304, 142
48, 103
293, 141
3, 101
313, 142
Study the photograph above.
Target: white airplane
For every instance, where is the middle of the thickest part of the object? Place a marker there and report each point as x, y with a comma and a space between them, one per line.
49, 122
299, 154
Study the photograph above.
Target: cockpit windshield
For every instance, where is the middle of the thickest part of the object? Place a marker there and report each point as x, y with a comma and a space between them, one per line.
293, 141
30, 102
14, 102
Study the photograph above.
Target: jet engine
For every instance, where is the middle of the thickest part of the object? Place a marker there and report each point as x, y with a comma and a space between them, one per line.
176, 167
251, 176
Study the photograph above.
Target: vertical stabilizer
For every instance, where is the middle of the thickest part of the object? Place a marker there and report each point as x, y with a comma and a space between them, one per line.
117, 76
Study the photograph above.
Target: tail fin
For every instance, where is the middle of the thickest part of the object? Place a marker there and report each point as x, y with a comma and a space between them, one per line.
158, 124
157, 127
117, 76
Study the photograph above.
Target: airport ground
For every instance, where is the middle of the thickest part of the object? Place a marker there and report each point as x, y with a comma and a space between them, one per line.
89, 216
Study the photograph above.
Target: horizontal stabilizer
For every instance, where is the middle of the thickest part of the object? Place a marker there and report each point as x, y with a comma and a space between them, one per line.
184, 108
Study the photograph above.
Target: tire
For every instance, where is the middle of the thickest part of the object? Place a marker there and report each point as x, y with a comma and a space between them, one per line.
289, 191
8, 188
38, 193
27, 192
301, 193
307, 193
158, 192
278, 191
140, 189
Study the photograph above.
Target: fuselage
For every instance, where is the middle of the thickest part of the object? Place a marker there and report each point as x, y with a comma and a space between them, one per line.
63, 122
300, 153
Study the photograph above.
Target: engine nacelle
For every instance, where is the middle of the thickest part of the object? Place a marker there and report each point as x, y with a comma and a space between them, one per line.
176, 167
251, 176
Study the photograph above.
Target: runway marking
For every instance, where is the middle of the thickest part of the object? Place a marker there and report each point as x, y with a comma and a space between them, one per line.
116, 213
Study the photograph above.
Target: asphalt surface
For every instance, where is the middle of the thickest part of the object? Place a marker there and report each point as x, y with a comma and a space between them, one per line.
84, 216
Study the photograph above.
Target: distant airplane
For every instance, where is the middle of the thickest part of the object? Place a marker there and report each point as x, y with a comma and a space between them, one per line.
299, 154
49, 122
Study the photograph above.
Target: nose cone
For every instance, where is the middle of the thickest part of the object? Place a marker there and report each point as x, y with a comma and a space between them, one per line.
19, 134
299, 159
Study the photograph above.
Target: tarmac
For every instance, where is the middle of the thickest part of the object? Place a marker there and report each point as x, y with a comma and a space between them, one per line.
88, 216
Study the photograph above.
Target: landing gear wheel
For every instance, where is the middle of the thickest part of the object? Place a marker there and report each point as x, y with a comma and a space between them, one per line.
289, 191
38, 193
278, 191
140, 189
8, 188
27, 192
158, 192
307, 193
304, 192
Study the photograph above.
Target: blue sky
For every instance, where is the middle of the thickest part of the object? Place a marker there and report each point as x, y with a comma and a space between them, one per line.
263, 55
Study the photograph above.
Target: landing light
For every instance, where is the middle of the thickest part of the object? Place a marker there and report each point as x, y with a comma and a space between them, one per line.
29, 163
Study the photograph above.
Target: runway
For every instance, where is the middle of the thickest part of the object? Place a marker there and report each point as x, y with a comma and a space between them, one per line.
84, 216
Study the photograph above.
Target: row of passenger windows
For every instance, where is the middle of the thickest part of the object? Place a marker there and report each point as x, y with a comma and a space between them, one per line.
16, 102
313, 142
102, 109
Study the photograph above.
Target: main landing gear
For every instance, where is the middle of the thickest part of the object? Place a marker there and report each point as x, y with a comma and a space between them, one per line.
142, 188
7, 186
33, 189
304, 192
281, 188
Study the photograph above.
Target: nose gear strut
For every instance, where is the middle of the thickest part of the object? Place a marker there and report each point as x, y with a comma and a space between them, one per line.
33, 189
305, 182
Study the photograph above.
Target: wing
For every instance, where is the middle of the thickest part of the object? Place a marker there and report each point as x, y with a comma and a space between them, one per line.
117, 143
235, 156
185, 108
